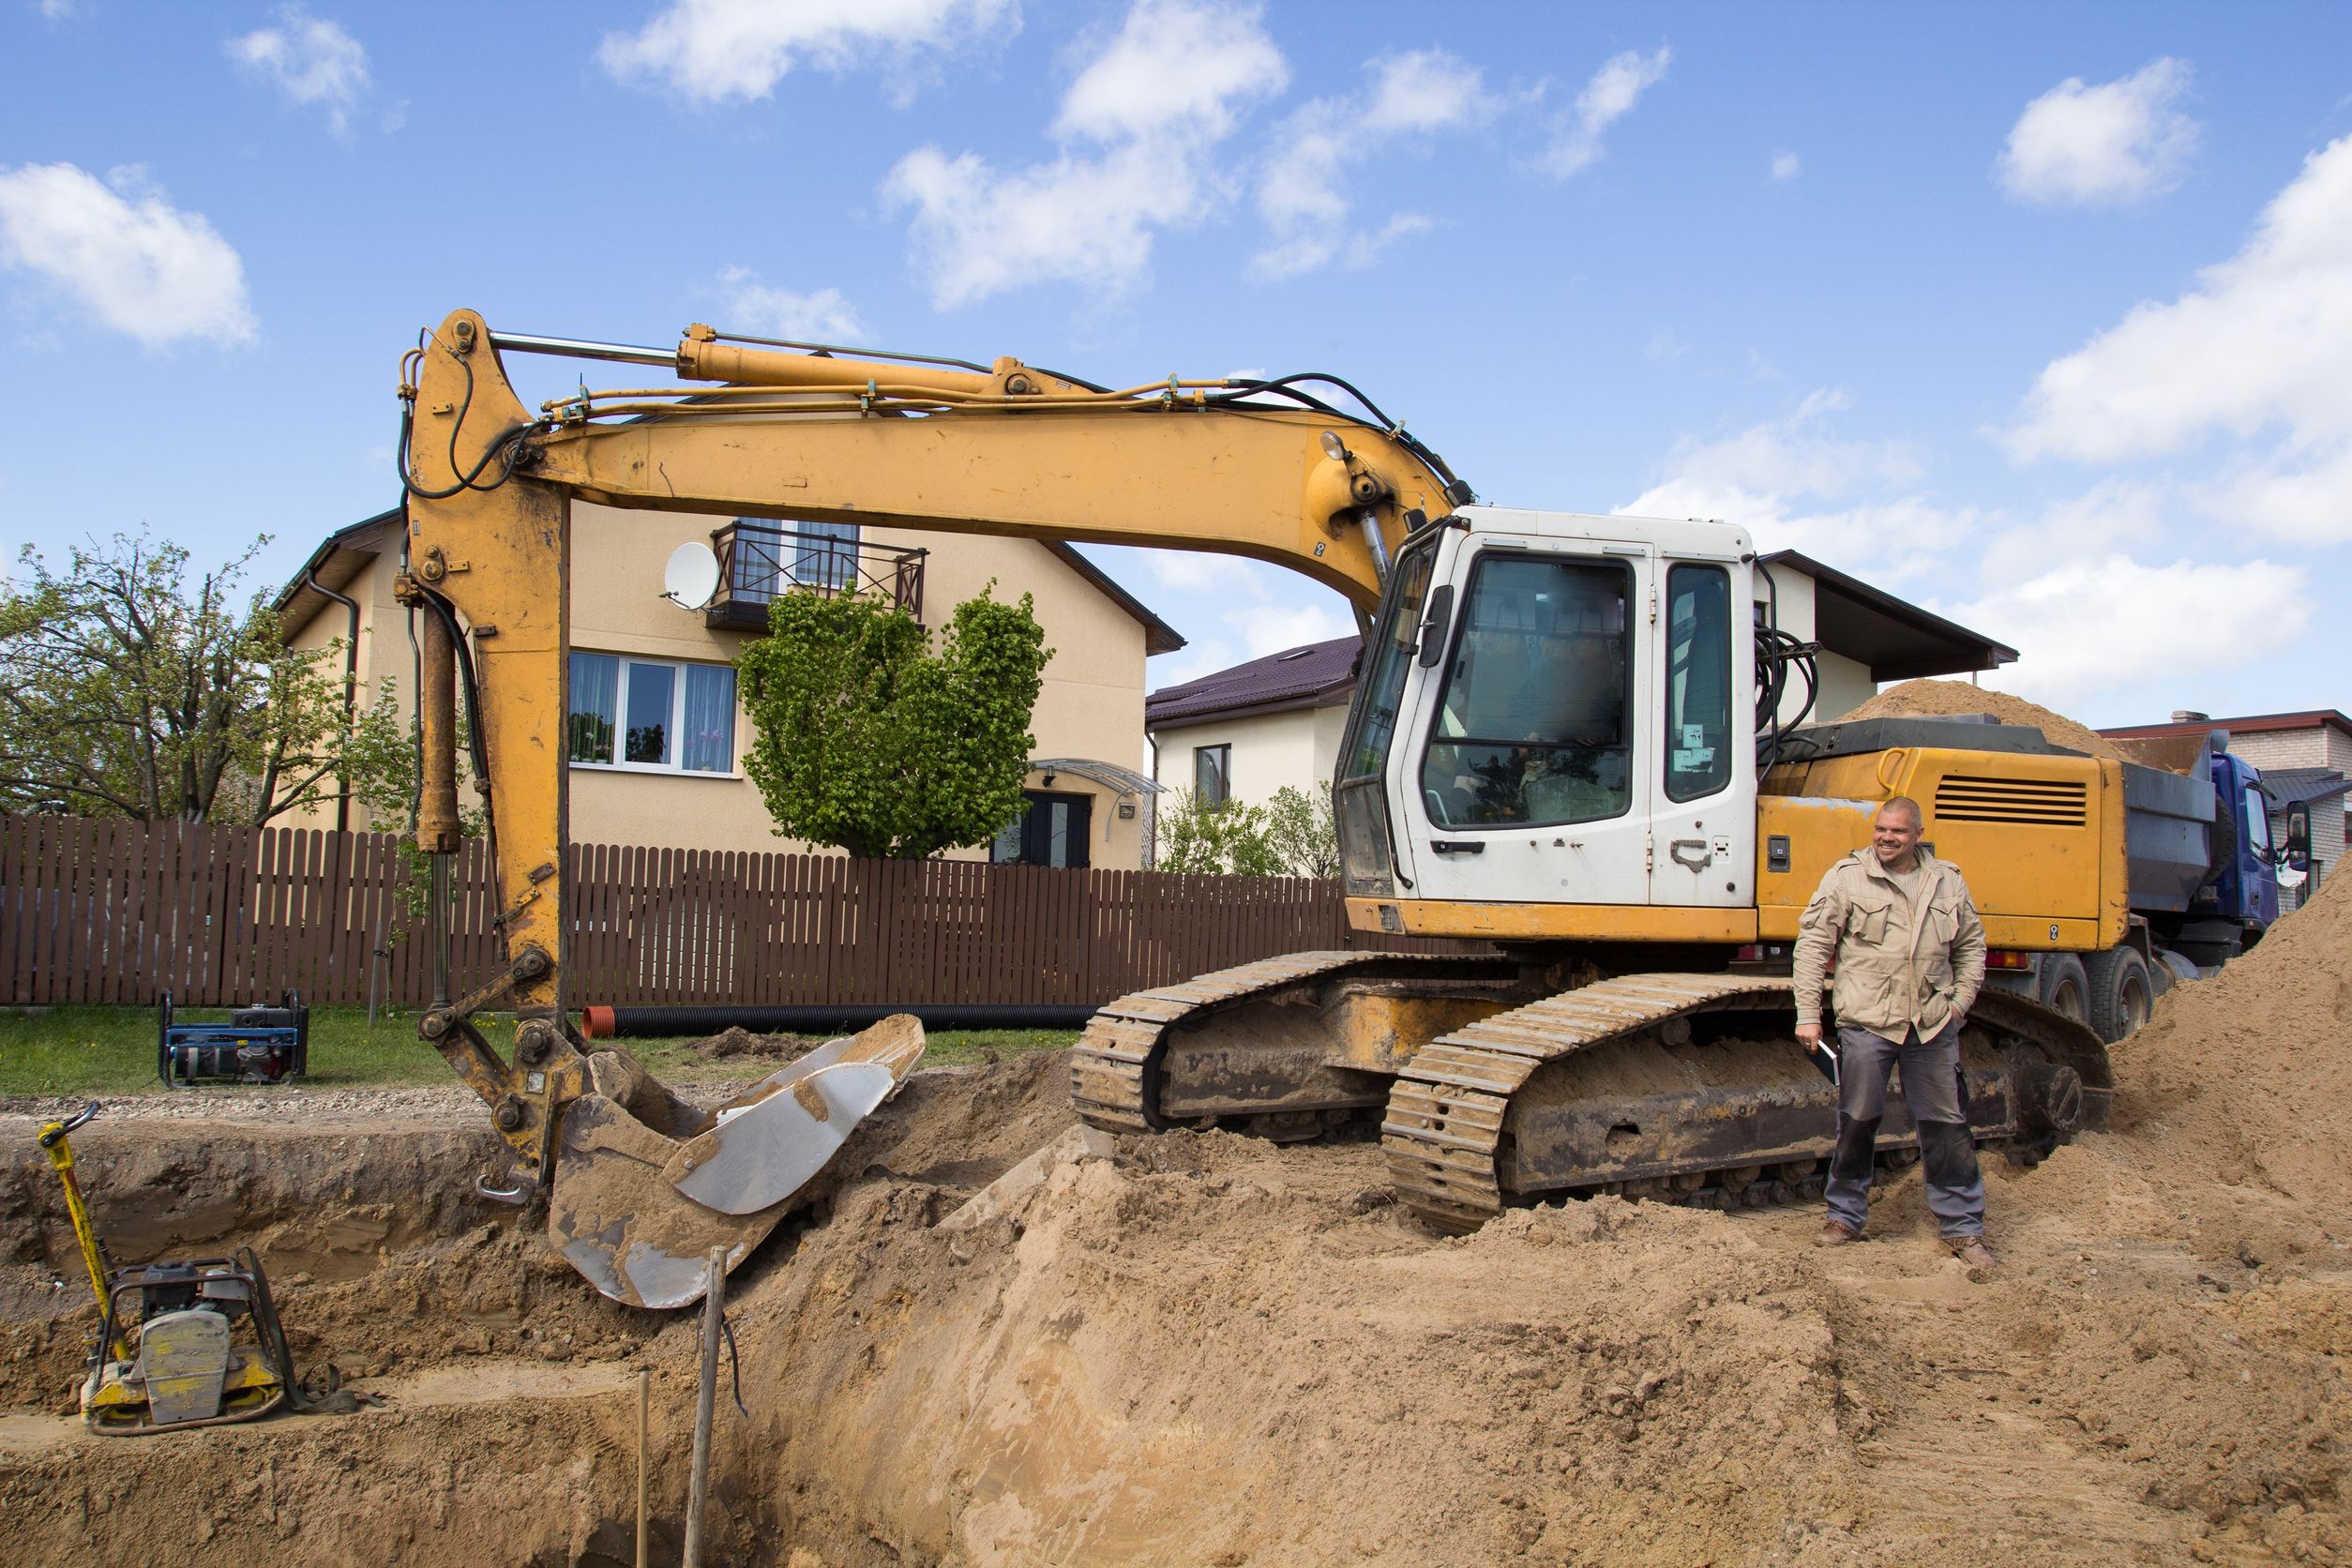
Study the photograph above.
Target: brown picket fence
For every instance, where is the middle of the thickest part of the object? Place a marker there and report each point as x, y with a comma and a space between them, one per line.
108, 912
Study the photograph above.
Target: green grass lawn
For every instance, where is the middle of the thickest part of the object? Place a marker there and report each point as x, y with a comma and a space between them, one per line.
112, 1050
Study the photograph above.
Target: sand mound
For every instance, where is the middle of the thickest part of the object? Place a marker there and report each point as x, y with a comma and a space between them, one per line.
1212, 1350
1933, 699
2245, 1079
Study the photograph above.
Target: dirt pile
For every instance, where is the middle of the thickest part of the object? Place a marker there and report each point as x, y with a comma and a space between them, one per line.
2245, 1079
738, 1041
1938, 699
1210, 1349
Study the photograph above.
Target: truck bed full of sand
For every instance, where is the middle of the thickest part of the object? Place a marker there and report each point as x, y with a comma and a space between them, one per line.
1207, 1349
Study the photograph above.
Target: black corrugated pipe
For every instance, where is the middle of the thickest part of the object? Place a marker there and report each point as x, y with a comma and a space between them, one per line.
603, 1024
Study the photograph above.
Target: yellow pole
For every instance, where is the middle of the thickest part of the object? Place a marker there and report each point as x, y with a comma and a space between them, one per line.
644, 1406
60, 1152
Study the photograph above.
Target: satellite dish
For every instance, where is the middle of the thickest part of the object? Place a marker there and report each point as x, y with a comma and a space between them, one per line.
691, 579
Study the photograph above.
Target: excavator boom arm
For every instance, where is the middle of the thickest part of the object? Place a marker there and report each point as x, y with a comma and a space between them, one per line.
1013, 451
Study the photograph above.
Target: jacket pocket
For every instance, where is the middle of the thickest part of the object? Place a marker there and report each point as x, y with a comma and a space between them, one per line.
1943, 923
1866, 921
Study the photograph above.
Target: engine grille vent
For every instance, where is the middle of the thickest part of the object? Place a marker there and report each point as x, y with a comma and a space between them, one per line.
2034, 802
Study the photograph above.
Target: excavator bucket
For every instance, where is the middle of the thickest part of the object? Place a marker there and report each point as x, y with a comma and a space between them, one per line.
646, 1184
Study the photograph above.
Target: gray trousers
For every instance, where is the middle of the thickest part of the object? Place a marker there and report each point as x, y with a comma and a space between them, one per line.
1931, 1088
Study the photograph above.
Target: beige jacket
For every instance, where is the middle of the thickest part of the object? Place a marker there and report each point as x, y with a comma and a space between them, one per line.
1902, 963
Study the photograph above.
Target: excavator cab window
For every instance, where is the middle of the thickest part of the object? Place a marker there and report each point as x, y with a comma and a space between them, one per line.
1531, 725
1359, 802
1697, 682
1392, 649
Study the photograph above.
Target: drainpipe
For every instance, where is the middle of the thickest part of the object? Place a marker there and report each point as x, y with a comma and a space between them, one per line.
350, 681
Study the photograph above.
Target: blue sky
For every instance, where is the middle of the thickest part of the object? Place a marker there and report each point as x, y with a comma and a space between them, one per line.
2041, 315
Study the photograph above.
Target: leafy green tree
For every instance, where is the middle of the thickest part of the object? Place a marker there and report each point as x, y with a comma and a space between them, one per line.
1228, 839
131, 687
1302, 832
868, 739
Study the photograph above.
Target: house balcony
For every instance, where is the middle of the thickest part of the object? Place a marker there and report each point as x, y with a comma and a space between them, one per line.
758, 561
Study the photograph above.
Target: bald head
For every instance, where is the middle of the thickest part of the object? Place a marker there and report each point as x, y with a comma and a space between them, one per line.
1895, 834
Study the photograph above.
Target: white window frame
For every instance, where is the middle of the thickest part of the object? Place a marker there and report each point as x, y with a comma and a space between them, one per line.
676, 722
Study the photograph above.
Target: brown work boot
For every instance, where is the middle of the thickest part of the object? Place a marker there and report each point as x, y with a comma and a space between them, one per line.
1836, 1232
1972, 1251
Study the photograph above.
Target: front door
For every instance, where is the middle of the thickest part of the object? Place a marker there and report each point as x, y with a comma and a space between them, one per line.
1523, 781
1051, 832
1704, 821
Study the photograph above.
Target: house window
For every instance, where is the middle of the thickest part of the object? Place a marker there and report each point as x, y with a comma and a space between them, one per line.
825, 555
651, 714
1212, 773
1051, 830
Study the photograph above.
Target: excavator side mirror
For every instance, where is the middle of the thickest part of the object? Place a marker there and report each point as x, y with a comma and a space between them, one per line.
2299, 837
1433, 624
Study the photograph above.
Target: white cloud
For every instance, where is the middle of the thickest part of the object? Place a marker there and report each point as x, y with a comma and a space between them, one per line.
1272, 628
1794, 485
123, 251
1608, 97
2116, 515
1785, 166
2109, 622
314, 62
1200, 571
822, 317
1141, 126
2256, 350
2116, 143
1301, 188
56, 11
714, 51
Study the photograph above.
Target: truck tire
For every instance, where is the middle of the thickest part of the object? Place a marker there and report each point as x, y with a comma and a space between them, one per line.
2065, 986
2122, 990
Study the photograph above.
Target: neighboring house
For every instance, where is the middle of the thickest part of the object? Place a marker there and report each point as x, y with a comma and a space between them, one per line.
1247, 730
2305, 759
658, 731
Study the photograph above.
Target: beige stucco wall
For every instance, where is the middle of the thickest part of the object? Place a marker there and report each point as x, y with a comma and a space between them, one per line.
384, 651
1090, 704
1845, 682
1298, 748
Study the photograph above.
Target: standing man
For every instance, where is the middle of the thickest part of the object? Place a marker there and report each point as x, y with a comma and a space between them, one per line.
1911, 960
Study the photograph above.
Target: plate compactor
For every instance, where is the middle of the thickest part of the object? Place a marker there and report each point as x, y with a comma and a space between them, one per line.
180, 1344
258, 1044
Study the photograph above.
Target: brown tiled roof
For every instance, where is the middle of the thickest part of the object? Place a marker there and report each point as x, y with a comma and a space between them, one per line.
2255, 724
1315, 675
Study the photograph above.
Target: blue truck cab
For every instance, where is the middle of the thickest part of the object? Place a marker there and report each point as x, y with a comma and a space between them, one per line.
2246, 888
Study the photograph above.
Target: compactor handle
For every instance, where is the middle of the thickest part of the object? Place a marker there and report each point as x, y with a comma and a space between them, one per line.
52, 1134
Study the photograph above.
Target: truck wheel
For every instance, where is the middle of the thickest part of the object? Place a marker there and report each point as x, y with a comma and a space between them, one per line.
2065, 988
2122, 990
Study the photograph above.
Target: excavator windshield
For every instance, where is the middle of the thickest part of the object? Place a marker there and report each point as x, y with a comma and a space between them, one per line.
1531, 724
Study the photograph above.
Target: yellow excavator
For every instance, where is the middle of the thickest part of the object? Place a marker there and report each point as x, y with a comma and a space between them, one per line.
1566, 743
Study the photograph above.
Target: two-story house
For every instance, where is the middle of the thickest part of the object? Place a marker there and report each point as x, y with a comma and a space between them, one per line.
658, 730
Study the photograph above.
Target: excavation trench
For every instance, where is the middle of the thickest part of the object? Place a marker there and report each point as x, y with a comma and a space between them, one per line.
1200, 1348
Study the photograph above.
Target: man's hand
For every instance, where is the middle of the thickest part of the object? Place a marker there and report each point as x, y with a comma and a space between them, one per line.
1809, 1035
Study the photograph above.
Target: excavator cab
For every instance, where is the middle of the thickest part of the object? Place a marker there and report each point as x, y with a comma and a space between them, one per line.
1548, 715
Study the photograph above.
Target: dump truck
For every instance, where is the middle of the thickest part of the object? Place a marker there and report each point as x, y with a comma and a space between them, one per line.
1564, 746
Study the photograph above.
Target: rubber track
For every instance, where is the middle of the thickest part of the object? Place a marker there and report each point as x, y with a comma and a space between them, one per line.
1112, 1066
1447, 1109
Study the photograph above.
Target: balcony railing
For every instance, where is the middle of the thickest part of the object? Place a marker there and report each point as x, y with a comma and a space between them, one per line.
757, 562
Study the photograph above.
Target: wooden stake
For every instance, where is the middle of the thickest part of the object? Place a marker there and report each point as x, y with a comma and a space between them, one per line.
644, 1409
706, 1400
